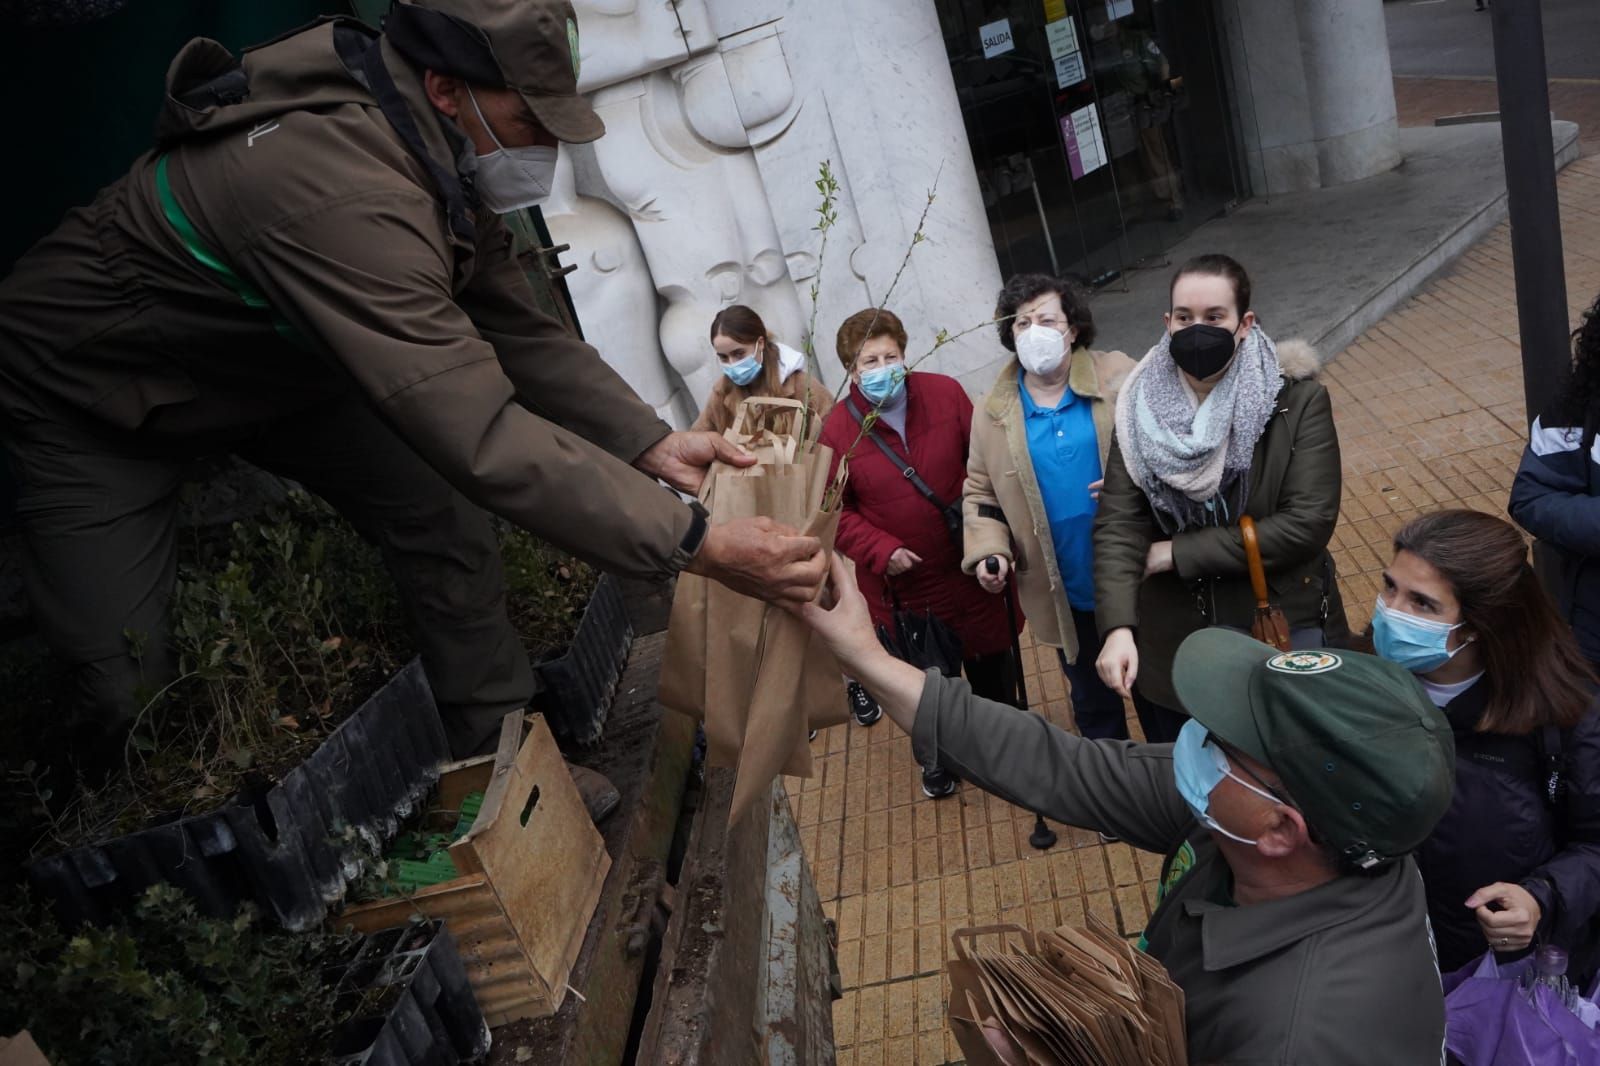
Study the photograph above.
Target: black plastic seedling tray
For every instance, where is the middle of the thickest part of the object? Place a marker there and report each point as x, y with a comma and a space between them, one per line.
580, 684
423, 1013
290, 849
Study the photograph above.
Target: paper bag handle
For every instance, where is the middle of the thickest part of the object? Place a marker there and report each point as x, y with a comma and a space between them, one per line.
973, 932
750, 403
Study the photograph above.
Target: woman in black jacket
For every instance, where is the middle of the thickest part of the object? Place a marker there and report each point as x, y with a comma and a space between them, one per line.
1510, 864
1556, 495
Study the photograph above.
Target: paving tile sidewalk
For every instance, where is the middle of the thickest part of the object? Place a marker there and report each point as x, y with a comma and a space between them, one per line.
1429, 408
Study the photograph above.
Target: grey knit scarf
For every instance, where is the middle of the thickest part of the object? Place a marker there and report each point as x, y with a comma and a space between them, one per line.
1189, 457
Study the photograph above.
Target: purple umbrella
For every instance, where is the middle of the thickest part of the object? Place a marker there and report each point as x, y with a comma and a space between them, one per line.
1491, 1019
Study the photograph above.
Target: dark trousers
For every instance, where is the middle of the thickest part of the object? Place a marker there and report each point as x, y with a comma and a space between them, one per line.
99, 521
1160, 724
993, 677
1096, 709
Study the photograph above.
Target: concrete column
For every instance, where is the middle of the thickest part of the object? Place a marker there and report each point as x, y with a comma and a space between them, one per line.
1345, 47
1314, 91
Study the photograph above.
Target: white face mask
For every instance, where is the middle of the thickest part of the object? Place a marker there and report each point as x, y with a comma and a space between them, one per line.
1040, 349
512, 178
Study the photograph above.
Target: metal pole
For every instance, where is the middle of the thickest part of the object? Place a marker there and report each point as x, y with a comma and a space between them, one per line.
1529, 152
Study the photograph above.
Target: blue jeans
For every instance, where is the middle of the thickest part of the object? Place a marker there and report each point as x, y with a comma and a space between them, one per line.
1097, 710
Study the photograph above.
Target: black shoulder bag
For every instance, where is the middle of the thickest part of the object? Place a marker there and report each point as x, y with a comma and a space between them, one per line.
950, 512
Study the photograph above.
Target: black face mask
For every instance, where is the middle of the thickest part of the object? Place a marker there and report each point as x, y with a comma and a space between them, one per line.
1201, 350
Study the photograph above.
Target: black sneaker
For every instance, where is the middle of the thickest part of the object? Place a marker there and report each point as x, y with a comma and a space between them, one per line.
862, 705
937, 784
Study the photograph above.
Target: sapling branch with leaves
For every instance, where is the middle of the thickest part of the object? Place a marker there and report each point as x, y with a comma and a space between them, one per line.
827, 215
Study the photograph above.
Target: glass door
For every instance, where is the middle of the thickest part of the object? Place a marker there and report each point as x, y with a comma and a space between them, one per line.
1099, 128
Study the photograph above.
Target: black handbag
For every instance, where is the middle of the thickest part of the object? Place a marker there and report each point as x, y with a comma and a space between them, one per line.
922, 639
949, 512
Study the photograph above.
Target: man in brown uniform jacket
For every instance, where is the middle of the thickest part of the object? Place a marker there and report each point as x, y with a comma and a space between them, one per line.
307, 270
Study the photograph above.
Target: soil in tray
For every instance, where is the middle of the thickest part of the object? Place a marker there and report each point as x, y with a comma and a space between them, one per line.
281, 627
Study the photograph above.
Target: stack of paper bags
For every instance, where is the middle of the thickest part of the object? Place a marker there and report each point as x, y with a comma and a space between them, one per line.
757, 676
1082, 997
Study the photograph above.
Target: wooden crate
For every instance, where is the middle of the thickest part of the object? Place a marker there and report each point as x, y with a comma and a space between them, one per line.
531, 872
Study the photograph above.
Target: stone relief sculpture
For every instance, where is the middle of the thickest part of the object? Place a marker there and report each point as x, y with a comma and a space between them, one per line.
675, 156
615, 295
676, 164
718, 113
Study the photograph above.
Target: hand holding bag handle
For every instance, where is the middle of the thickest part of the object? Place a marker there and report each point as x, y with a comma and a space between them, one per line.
1269, 626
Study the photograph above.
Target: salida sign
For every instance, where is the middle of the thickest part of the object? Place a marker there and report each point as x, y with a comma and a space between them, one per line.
996, 38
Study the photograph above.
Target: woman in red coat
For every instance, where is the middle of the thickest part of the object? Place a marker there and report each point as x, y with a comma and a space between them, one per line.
897, 537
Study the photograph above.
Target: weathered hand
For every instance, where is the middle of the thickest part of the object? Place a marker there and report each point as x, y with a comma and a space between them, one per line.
1512, 927
762, 558
995, 582
681, 459
1119, 661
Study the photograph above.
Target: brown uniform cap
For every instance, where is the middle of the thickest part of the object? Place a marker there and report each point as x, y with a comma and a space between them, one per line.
527, 45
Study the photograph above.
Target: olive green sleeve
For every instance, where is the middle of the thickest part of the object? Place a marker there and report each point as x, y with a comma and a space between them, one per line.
1124, 528
1114, 786
1302, 520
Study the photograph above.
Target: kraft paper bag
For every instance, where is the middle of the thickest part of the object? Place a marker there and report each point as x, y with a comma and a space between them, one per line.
1071, 996
755, 674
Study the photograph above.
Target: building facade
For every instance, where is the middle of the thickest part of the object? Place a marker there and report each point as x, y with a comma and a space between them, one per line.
1080, 137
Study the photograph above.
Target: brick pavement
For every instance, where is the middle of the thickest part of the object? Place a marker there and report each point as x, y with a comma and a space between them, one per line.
1428, 404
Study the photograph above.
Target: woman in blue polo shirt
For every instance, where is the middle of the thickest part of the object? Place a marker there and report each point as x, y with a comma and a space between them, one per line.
1039, 445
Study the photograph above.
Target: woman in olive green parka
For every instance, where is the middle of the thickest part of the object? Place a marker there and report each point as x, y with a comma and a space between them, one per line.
1216, 422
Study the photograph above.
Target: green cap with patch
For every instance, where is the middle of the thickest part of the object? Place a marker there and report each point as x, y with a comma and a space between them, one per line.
1358, 745
527, 45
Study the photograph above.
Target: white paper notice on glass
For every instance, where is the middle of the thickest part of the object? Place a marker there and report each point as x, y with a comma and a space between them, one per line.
996, 37
1086, 145
1064, 51
1116, 9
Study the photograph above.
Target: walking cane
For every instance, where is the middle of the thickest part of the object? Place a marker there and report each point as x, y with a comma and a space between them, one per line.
1042, 836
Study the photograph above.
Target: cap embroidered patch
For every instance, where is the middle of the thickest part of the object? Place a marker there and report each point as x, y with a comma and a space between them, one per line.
1304, 662
572, 43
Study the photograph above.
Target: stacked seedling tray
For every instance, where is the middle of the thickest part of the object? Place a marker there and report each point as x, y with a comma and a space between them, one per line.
291, 849
580, 684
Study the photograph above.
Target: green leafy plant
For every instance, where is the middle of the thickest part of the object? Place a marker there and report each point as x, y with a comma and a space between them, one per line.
827, 216
169, 985
281, 626
546, 591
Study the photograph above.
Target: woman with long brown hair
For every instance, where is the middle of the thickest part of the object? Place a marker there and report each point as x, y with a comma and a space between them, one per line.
754, 364
1516, 859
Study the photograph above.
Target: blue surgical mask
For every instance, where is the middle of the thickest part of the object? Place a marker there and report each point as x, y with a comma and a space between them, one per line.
1421, 645
883, 385
1199, 768
743, 372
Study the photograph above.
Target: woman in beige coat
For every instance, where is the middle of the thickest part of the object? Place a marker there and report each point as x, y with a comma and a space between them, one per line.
1039, 446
